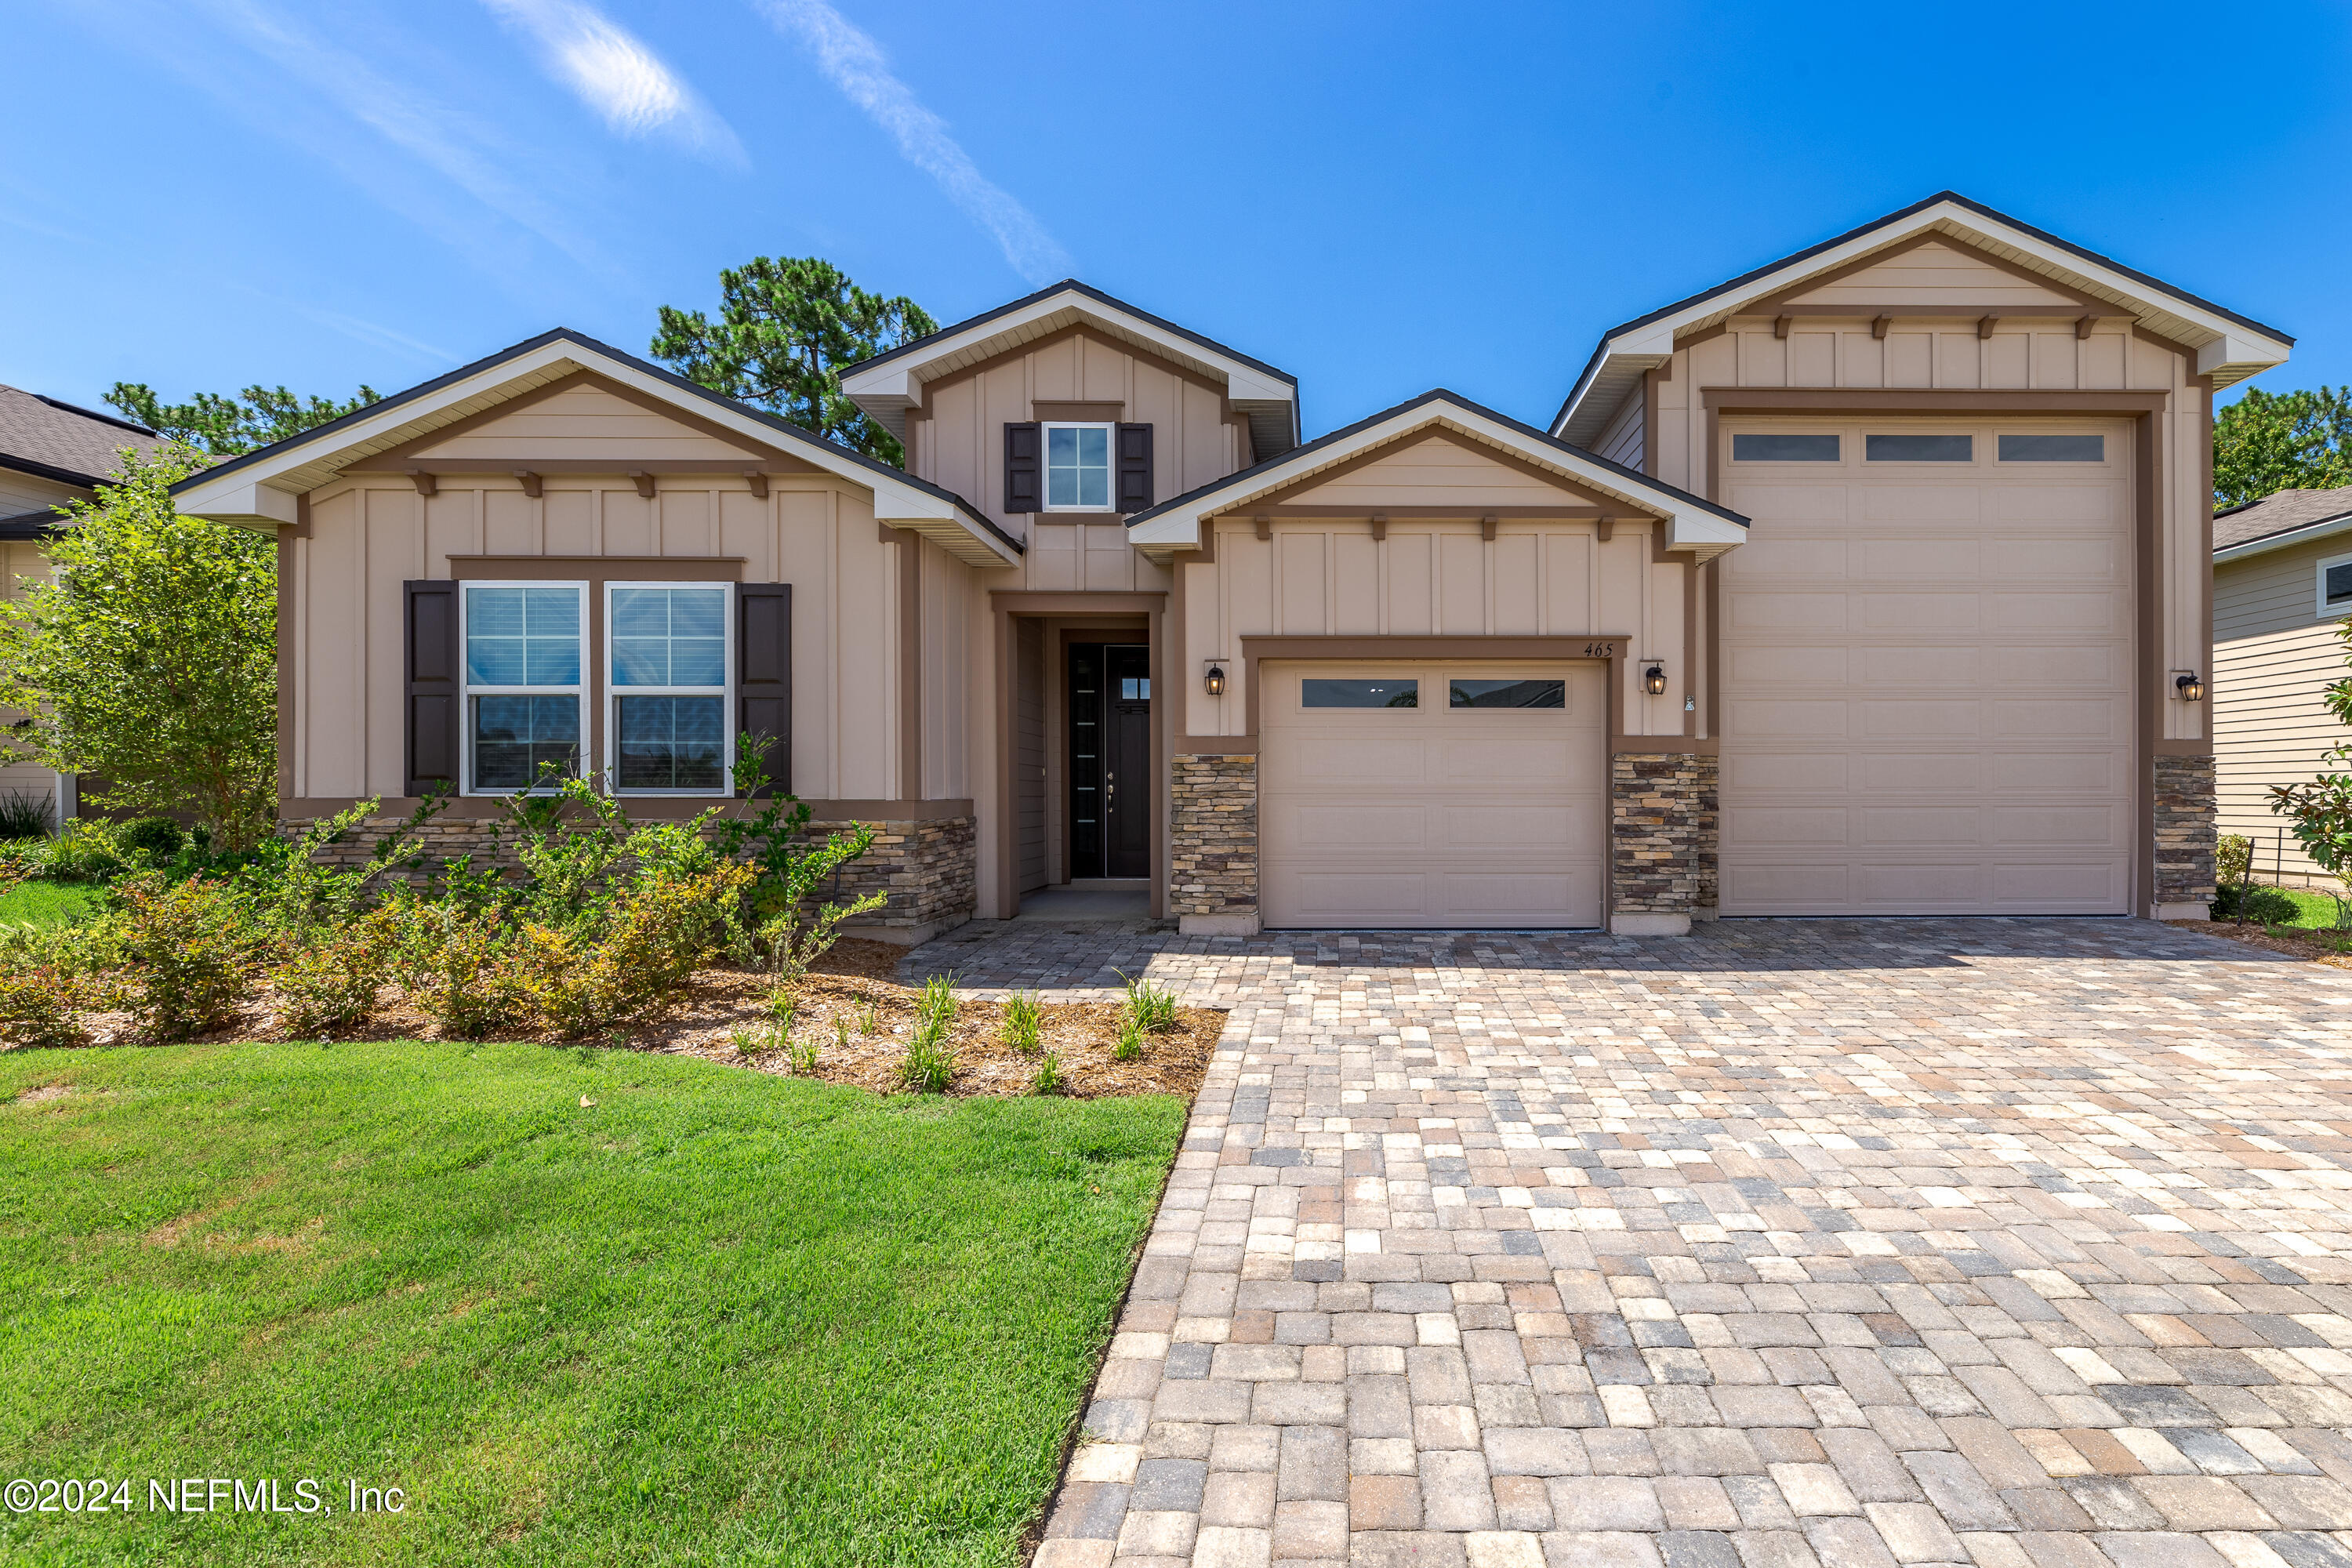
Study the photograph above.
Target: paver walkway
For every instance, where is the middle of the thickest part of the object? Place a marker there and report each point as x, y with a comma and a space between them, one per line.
1790, 1243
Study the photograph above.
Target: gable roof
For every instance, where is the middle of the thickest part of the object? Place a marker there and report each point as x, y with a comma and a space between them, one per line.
1692, 523
889, 383
2229, 347
2276, 521
60, 441
258, 489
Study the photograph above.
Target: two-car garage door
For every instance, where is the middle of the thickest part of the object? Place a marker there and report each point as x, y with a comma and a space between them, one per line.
1426, 793
1927, 696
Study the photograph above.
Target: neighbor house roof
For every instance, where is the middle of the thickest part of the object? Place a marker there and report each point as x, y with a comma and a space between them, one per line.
259, 487
2229, 347
57, 440
889, 383
1693, 523
2276, 521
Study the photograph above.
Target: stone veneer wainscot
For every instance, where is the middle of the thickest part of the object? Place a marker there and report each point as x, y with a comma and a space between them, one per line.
2184, 838
1212, 844
1661, 841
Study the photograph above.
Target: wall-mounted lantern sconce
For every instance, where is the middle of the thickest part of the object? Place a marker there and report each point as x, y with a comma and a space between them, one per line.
2190, 687
1653, 680
1214, 681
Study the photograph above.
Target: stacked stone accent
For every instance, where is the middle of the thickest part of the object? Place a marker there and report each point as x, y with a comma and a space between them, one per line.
1662, 812
1213, 837
2184, 831
928, 869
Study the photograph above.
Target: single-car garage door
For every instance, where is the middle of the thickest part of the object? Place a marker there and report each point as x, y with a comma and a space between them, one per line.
1927, 698
1432, 794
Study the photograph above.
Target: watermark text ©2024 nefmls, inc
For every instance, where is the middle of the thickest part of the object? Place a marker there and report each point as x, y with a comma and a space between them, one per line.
200, 1494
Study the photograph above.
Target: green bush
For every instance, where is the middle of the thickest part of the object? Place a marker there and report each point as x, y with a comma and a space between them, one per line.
333, 985
38, 1009
154, 839
2263, 905
24, 817
584, 983
2233, 855
193, 957
457, 968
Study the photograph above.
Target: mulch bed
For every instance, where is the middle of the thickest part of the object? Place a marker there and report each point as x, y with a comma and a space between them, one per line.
2290, 941
854, 984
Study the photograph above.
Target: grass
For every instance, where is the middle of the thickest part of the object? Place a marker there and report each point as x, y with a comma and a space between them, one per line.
2313, 912
581, 1306
51, 903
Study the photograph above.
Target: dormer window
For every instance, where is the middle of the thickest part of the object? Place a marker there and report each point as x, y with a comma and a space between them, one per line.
1077, 468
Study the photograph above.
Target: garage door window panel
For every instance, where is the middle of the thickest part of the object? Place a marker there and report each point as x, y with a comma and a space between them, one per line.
2053, 448
1785, 447
1507, 694
1325, 692
1918, 448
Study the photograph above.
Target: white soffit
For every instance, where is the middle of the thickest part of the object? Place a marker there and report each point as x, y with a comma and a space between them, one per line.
2227, 349
1692, 525
887, 386
258, 491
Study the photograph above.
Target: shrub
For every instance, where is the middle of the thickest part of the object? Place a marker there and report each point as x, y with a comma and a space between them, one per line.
1048, 1079
153, 839
2264, 905
333, 985
24, 817
1019, 1020
457, 968
2233, 857
1152, 1008
660, 931
188, 947
38, 1009
85, 850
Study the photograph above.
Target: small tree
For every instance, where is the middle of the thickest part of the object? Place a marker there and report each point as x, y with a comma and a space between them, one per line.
786, 331
225, 427
2267, 442
2319, 813
152, 660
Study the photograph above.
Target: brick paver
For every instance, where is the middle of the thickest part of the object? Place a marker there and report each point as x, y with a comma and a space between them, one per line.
2024, 1244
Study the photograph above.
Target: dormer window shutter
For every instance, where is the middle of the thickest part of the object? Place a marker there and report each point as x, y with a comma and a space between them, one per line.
1134, 468
1024, 468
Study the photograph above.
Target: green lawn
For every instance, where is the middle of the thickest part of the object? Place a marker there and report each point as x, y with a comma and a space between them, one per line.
712, 1317
2313, 912
51, 903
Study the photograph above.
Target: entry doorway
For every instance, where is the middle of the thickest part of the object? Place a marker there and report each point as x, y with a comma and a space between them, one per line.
1110, 760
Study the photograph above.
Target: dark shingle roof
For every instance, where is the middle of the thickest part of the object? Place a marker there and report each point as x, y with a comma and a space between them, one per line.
2281, 513
56, 440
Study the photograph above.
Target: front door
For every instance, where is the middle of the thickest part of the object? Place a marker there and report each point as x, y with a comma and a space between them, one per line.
1111, 760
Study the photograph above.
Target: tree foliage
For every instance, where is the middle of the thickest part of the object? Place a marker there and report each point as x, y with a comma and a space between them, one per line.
151, 661
225, 427
2267, 442
785, 331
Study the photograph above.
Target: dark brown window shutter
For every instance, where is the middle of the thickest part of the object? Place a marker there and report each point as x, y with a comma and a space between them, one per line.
1024, 468
432, 665
1134, 468
763, 675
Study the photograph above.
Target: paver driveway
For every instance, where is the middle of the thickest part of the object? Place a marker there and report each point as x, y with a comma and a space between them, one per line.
2001, 1242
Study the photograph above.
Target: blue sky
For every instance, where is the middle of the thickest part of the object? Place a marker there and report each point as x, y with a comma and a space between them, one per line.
201, 193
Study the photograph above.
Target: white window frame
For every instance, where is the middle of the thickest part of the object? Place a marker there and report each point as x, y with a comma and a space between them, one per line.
725, 692
2319, 589
1110, 464
467, 690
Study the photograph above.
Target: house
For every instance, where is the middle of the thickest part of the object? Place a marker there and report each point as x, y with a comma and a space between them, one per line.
1859, 584
2282, 587
51, 453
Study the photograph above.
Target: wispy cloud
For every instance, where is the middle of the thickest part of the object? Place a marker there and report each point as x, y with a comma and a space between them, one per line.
854, 63
459, 147
613, 72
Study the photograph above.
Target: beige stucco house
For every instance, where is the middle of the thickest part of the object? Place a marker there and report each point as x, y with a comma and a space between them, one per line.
2282, 587
1859, 584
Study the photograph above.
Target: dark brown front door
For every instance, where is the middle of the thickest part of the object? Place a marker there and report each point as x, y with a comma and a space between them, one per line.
1111, 760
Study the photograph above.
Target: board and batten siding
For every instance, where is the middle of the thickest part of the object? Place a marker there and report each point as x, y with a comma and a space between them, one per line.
1535, 578
2273, 656
30, 492
2022, 353
343, 608
956, 440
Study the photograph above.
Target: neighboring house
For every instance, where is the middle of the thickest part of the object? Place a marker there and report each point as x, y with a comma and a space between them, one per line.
51, 453
2282, 587
1906, 535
